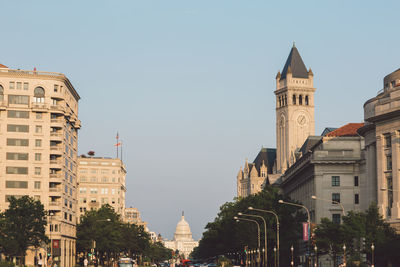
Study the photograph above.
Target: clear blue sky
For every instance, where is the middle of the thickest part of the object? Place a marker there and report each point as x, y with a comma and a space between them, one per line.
189, 84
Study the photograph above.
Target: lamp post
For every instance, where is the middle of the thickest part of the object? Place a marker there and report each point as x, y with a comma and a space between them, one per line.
265, 234
333, 202
372, 248
316, 256
308, 221
292, 262
275, 256
344, 254
258, 232
277, 230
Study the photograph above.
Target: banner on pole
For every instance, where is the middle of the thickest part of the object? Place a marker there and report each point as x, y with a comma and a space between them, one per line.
305, 231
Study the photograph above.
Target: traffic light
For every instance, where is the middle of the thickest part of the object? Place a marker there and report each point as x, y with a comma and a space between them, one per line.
245, 249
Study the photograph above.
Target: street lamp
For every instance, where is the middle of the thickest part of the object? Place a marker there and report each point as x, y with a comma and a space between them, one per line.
316, 256
265, 232
275, 256
277, 230
372, 248
332, 201
258, 231
344, 254
308, 221
292, 262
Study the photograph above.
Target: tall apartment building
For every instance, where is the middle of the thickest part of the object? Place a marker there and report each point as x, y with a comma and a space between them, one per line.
132, 216
101, 181
38, 151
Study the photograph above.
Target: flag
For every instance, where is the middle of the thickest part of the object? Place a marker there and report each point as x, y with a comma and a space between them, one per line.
118, 144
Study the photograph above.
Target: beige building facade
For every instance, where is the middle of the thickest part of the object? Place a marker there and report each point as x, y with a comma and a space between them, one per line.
132, 216
101, 181
38, 151
382, 148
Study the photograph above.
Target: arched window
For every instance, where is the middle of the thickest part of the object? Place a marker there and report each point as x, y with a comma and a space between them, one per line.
294, 100
1, 93
38, 95
285, 100
306, 100
280, 103
300, 100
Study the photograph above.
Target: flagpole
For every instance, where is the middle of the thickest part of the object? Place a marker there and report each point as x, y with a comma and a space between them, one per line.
121, 150
117, 143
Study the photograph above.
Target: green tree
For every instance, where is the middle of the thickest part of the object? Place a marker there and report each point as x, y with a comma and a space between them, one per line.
22, 226
101, 230
224, 235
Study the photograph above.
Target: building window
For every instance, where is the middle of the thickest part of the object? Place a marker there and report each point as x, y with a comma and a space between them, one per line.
38, 95
388, 140
18, 99
355, 180
16, 184
26, 86
300, 100
38, 156
12, 85
55, 88
335, 180
17, 170
294, 99
39, 115
38, 170
82, 190
1, 93
16, 156
37, 185
336, 218
19, 85
356, 199
306, 100
335, 198
17, 142
18, 114
38, 142
389, 162
17, 128
38, 129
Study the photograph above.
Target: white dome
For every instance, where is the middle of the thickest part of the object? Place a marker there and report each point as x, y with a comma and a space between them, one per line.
182, 231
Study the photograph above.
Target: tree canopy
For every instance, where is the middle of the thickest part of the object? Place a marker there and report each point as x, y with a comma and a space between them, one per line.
224, 235
22, 226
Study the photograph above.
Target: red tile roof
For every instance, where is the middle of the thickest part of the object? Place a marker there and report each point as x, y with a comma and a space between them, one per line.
349, 129
2, 66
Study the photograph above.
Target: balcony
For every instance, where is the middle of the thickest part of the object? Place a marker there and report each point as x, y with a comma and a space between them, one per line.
55, 192
54, 189
77, 124
56, 164
55, 177
57, 109
56, 150
42, 107
57, 123
57, 136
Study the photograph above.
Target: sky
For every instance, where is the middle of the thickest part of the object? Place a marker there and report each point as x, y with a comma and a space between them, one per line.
189, 84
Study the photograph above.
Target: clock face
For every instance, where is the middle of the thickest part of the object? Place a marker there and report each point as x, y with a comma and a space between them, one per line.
301, 120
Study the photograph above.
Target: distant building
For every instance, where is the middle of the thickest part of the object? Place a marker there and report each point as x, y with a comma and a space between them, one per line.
132, 216
38, 151
183, 240
255, 175
382, 150
330, 168
101, 181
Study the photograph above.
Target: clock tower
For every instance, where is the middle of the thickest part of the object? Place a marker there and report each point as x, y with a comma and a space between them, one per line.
294, 109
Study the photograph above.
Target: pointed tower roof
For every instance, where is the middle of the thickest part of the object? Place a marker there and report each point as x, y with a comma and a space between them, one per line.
295, 65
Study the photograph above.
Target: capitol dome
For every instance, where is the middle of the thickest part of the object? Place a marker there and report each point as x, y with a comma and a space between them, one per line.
182, 231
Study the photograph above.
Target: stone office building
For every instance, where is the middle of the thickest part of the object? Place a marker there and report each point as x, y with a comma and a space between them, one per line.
382, 148
38, 151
